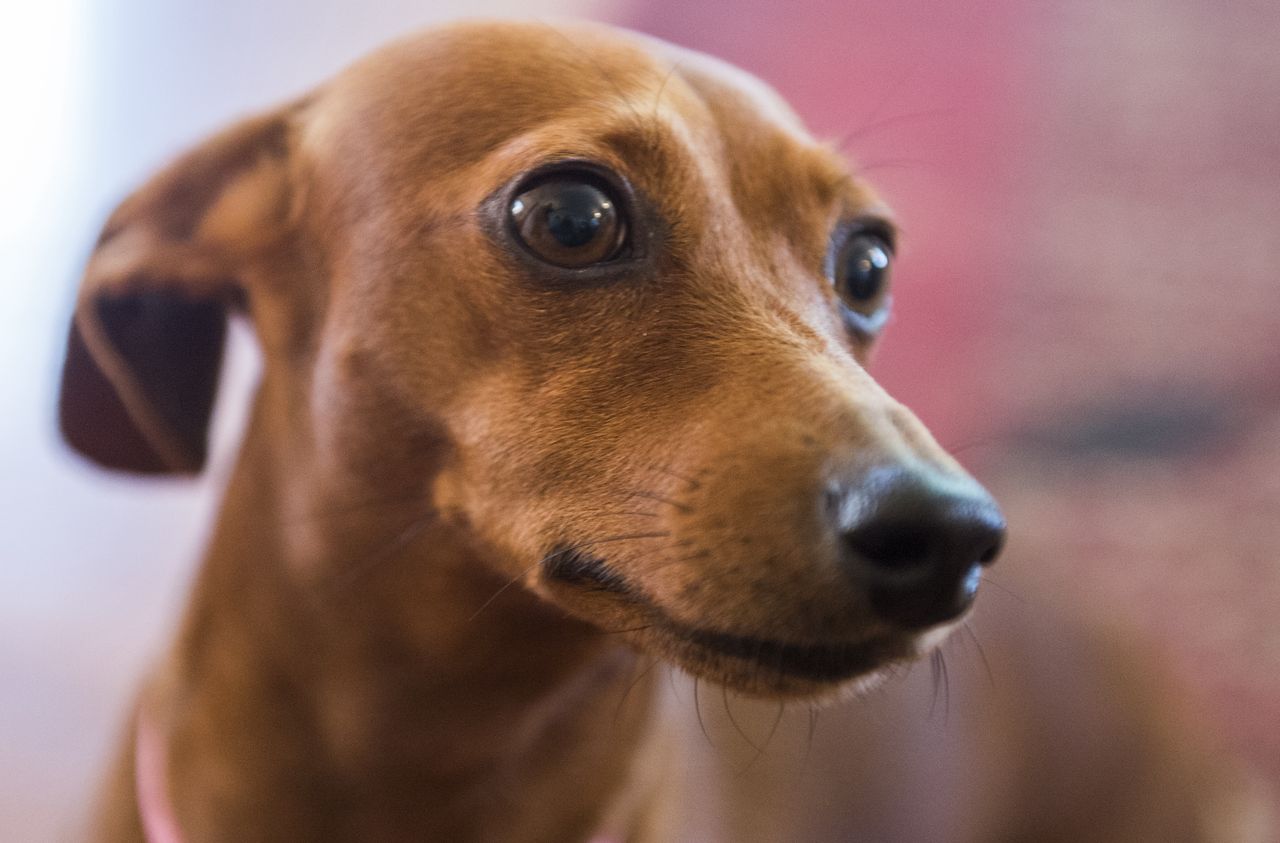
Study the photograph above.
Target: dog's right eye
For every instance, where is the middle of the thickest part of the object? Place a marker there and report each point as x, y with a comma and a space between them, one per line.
569, 222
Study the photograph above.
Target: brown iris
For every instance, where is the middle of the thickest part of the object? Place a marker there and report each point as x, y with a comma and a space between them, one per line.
569, 222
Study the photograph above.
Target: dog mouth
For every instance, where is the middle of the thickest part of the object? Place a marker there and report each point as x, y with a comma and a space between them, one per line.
819, 664
747, 663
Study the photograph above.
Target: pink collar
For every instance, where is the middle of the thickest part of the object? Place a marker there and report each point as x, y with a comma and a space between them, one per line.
159, 825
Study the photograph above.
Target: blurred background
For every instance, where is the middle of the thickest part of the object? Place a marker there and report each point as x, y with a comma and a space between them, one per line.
1088, 305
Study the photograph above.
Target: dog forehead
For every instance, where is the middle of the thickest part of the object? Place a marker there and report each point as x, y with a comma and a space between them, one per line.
467, 86
732, 89
464, 89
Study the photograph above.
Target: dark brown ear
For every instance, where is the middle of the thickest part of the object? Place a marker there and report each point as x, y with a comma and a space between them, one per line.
146, 341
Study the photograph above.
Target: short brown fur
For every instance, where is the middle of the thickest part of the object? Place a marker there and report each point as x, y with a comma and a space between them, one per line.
372, 650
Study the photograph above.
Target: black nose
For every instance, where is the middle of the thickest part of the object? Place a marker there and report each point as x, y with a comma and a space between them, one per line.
917, 540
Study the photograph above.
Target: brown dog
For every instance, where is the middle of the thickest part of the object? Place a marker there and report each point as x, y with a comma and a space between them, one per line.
564, 333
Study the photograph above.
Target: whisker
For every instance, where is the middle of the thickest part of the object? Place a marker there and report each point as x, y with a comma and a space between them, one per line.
506, 585
298, 519
697, 706
994, 441
675, 504
941, 680
661, 534
626, 513
773, 730
987, 578
671, 683
777, 719
982, 653
653, 661
724, 697
946, 688
891, 92
692, 482
890, 163
597, 67
640, 628
657, 98
388, 550
813, 728
934, 674
876, 125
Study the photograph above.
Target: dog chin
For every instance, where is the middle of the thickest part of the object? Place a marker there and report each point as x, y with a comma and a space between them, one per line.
813, 674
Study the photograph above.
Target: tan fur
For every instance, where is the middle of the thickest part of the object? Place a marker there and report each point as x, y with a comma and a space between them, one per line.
372, 651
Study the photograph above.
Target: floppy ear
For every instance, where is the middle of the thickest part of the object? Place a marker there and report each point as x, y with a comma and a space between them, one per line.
146, 340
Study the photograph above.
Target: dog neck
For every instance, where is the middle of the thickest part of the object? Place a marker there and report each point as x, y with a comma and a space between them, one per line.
378, 702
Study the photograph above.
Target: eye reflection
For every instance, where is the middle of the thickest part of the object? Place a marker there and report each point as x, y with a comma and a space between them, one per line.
569, 222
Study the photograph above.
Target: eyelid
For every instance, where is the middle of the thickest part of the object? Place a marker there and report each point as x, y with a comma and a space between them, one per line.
876, 227
869, 325
604, 178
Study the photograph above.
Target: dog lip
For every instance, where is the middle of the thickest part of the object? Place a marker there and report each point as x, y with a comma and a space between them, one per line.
814, 662
818, 662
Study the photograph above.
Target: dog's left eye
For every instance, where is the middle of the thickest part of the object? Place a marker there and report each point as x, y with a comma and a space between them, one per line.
569, 222
860, 273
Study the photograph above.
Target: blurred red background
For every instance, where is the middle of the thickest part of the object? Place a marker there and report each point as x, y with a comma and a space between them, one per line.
1087, 305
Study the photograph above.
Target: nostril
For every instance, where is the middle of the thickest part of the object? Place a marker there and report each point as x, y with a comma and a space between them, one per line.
995, 546
892, 547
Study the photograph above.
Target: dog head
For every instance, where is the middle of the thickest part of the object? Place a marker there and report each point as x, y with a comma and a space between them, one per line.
603, 303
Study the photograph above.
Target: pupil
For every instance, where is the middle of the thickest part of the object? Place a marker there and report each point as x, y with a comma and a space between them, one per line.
574, 216
865, 272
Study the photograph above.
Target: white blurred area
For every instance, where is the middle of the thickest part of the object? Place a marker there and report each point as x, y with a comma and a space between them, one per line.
93, 567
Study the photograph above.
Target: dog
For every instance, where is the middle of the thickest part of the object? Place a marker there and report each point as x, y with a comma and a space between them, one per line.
565, 335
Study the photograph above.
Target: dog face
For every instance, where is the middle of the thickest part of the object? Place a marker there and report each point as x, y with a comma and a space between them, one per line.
605, 303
